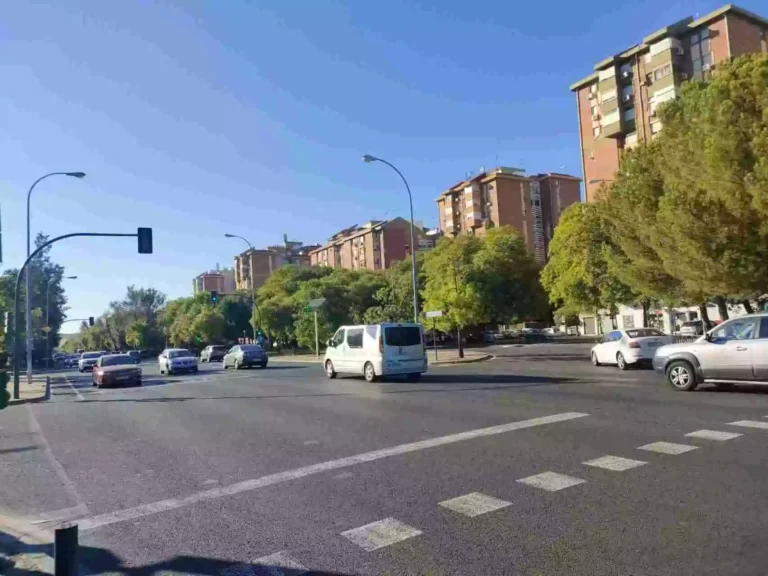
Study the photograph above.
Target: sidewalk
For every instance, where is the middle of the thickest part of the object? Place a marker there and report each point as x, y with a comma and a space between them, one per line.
23, 549
444, 357
28, 394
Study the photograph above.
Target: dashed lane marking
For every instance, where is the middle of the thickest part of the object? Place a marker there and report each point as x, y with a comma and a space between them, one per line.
713, 435
75, 390
278, 564
380, 534
668, 448
614, 463
474, 504
750, 424
551, 481
297, 473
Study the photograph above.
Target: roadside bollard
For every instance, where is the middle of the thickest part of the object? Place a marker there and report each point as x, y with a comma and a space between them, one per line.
47, 388
65, 551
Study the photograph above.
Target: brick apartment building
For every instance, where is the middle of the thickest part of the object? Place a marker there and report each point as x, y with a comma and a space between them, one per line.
617, 102
375, 245
508, 197
265, 261
219, 280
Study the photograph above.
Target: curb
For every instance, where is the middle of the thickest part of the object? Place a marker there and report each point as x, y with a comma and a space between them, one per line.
23, 548
482, 358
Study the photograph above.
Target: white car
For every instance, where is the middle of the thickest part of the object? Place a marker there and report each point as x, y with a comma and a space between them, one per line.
629, 347
377, 350
174, 360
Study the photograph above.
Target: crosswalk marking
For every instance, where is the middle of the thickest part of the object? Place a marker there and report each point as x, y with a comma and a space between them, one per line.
668, 448
278, 564
749, 424
713, 435
551, 481
474, 504
615, 463
380, 534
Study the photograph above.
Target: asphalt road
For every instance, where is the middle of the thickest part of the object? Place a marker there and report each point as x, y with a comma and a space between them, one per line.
532, 463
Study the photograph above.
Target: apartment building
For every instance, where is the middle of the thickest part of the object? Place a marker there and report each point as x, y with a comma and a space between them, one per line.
375, 245
617, 103
265, 261
508, 197
219, 280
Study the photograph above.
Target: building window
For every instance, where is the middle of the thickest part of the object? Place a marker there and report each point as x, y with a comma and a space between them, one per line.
629, 115
660, 73
627, 92
701, 54
625, 71
592, 88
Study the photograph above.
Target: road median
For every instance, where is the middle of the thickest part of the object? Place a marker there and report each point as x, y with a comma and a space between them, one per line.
30, 394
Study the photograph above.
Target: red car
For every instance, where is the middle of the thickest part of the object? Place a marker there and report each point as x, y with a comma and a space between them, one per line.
115, 370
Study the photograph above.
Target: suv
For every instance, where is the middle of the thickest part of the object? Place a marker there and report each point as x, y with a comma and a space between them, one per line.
213, 353
734, 352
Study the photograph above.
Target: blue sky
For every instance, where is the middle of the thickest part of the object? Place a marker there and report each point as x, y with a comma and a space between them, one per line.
199, 118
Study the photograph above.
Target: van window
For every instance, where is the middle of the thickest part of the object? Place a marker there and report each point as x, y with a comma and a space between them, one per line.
402, 335
338, 338
355, 337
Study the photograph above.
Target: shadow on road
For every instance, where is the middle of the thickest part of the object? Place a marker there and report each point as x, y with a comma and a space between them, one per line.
19, 449
544, 357
99, 560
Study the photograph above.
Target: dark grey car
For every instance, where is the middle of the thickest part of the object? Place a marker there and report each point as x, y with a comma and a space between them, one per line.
245, 355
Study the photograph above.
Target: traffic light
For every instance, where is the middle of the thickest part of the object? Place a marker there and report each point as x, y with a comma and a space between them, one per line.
214, 296
145, 240
90, 320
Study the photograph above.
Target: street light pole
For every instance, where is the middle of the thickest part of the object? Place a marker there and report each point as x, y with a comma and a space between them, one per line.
253, 287
369, 158
47, 324
28, 278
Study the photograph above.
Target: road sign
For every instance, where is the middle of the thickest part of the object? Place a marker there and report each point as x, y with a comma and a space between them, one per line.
434, 314
316, 303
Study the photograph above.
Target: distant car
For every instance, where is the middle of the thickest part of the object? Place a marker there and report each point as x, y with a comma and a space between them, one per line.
213, 353
135, 355
114, 370
88, 360
629, 347
174, 360
245, 356
692, 328
734, 352
72, 360
550, 331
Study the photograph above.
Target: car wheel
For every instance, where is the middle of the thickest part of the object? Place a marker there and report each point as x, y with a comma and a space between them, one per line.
224, 365
413, 377
622, 363
369, 372
194, 370
263, 365
329, 371
681, 375
237, 364
595, 361
168, 371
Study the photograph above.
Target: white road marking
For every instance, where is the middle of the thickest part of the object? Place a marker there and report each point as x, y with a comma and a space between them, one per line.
79, 396
380, 534
749, 424
60, 515
303, 472
668, 448
474, 504
615, 463
713, 435
551, 481
278, 564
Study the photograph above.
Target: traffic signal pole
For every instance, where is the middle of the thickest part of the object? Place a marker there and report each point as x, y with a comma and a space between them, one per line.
145, 247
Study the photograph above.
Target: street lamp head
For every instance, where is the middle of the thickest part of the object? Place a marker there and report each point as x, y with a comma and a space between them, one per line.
76, 174
369, 158
71, 277
229, 235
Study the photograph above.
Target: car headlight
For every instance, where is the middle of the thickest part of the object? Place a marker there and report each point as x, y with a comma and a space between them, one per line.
100, 373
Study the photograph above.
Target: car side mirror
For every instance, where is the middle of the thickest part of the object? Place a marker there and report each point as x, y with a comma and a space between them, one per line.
708, 336
329, 344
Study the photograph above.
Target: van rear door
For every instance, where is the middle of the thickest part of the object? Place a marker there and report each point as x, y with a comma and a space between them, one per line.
403, 349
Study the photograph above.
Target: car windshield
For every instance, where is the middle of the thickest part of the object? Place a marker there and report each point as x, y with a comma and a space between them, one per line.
90, 355
644, 333
179, 353
402, 335
691, 324
116, 360
218, 348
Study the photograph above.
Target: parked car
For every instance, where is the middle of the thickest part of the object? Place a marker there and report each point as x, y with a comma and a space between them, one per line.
629, 347
72, 361
692, 328
88, 360
734, 352
116, 369
174, 360
377, 350
245, 356
213, 353
135, 355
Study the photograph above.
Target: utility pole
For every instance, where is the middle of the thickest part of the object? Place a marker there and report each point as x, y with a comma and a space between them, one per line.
314, 305
458, 328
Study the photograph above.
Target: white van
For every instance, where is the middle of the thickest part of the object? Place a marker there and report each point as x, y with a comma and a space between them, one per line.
377, 350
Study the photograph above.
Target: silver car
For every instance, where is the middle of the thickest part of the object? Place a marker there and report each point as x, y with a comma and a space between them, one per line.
245, 355
734, 352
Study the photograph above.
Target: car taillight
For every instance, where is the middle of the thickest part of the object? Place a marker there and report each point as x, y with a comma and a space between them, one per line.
381, 343
634, 345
